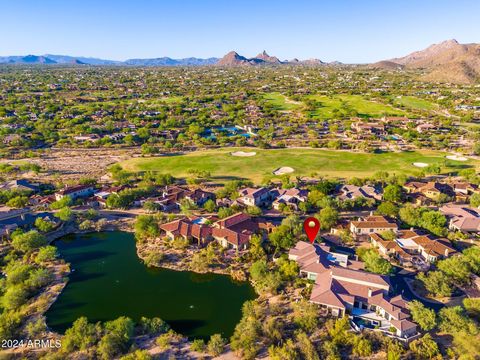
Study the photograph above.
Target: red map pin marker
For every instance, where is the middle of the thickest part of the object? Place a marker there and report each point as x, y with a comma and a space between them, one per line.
311, 226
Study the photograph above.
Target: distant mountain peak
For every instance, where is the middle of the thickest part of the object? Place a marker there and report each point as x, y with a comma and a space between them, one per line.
232, 58
448, 61
267, 58
34, 59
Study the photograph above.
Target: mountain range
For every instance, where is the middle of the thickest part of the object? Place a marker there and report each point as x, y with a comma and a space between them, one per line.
234, 59
448, 61
80, 60
230, 59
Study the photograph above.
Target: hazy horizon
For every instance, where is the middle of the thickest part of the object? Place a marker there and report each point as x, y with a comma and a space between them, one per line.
346, 31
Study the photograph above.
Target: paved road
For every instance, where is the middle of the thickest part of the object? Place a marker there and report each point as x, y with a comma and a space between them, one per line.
400, 287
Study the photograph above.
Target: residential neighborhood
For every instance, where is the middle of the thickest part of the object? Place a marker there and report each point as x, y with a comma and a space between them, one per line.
172, 189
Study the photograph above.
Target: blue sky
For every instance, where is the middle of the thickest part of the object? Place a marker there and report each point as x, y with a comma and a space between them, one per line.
344, 30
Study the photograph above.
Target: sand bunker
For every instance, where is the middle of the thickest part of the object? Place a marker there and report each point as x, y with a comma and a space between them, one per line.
420, 164
283, 170
456, 158
243, 153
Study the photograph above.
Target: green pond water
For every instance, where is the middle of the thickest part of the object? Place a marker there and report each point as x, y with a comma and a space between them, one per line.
109, 281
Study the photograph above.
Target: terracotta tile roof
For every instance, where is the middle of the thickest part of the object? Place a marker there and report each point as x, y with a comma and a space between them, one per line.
186, 228
374, 222
403, 325
361, 276
233, 237
232, 220
438, 247
414, 185
328, 298
406, 234
387, 244
73, 189
254, 192
338, 286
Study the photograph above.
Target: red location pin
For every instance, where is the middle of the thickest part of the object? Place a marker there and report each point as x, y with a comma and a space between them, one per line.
311, 226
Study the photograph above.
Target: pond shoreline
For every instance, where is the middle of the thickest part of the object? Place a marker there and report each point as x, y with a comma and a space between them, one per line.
207, 306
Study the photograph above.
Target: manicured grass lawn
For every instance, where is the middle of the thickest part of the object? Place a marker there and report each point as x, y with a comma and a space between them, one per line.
412, 102
223, 166
281, 102
364, 107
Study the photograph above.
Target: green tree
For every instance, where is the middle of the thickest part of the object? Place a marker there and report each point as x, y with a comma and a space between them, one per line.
209, 205
456, 269
14, 297
436, 283
224, 212
35, 328
216, 345
475, 200
328, 217
425, 347
393, 193
362, 346
153, 325
305, 315
80, 336
424, 317
29, 241
374, 262
109, 347
65, 214
137, 355
151, 207
395, 350
244, 340
10, 322
146, 227
307, 349
44, 225
288, 269
472, 307
198, 345
454, 320
287, 351
18, 202
388, 208
63, 202
254, 210
264, 279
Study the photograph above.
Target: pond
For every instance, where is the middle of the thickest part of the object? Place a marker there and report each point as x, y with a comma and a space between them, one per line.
109, 280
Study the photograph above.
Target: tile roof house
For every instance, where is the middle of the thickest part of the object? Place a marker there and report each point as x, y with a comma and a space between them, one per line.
464, 188
342, 290
199, 196
369, 128
408, 243
255, 197
461, 217
290, 197
431, 189
171, 195
371, 224
75, 192
21, 185
190, 229
389, 248
235, 231
351, 192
